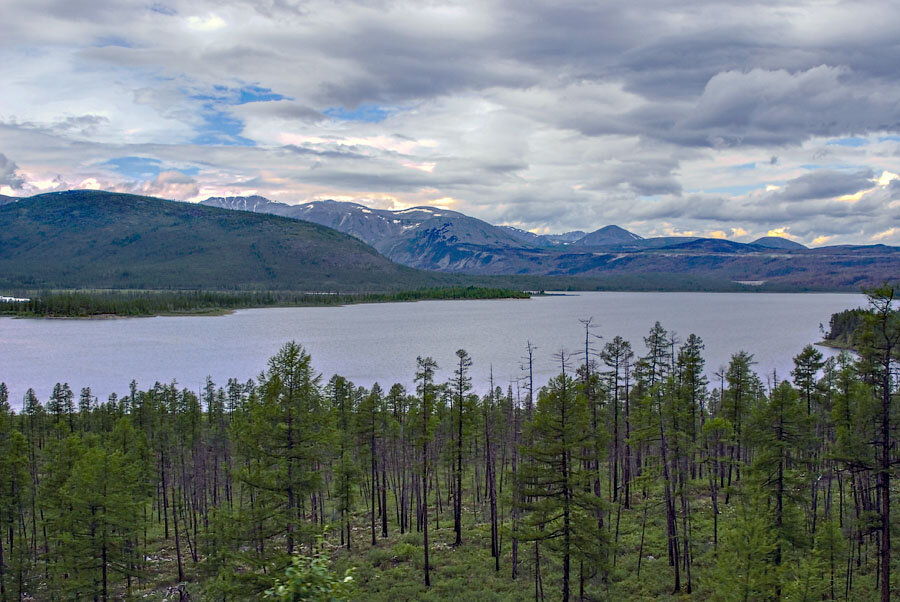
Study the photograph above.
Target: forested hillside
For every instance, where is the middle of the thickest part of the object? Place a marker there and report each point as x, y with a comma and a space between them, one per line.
95, 239
629, 476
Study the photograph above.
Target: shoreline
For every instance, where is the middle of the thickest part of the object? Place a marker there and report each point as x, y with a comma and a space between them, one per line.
365, 299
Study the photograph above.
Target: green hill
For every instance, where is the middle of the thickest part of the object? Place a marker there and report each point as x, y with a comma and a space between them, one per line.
95, 239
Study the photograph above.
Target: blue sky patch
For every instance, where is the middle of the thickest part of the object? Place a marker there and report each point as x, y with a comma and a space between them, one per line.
257, 94
364, 112
745, 166
851, 142
239, 96
733, 189
889, 139
220, 128
136, 168
834, 166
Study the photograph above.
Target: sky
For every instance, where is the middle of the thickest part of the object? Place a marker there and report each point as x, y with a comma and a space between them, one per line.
704, 118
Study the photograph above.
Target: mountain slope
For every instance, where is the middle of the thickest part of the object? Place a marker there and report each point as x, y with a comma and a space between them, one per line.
107, 240
254, 203
438, 239
396, 234
543, 240
777, 242
608, 235
708, 245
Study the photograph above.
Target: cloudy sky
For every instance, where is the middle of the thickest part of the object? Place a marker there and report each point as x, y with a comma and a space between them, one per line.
708, 118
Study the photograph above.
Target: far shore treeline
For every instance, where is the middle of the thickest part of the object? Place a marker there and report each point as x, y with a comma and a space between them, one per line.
84, 304
625, 478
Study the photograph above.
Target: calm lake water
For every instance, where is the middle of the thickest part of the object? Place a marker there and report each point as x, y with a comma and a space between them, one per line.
369, 343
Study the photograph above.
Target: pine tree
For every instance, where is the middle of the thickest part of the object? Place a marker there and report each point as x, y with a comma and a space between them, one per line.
462, 384
426, 390
880, 339
780, 426
283, 437
371, 430
806, 365
97, 518
85, 407
341, 395
617, 355
743, 569
15, 557
736, 407
562, 508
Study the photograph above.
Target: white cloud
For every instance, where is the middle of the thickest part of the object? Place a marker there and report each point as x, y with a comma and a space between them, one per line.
209, 23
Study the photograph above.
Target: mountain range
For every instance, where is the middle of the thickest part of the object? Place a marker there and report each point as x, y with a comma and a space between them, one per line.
97, 239
432, 238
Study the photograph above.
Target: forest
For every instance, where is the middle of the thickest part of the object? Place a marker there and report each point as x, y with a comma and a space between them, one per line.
131, 303
629, 476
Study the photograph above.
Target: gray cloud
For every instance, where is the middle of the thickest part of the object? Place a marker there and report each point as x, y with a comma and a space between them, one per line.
8, 175
826, 184
548, 115
171, 185
285, 109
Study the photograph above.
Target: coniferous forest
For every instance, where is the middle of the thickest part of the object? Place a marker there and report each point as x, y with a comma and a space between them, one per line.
629, 476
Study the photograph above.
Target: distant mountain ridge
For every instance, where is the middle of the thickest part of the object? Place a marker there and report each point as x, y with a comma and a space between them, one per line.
544, 239
778, 242
439, 239
393, 233
607, 236
254, 203
387, 230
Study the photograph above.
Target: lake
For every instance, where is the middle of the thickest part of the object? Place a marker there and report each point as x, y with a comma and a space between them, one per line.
380, 342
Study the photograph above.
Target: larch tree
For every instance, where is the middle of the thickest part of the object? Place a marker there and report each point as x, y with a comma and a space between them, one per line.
557, 480
425, 369
283, 435
880, 339
462, 384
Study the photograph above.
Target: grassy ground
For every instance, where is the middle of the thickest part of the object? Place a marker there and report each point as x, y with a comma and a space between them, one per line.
392, 569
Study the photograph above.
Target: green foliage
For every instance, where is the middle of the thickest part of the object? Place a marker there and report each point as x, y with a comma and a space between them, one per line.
405, 551
744, 569
855, 328
853, 414
843, 325
309, 579
94, 495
